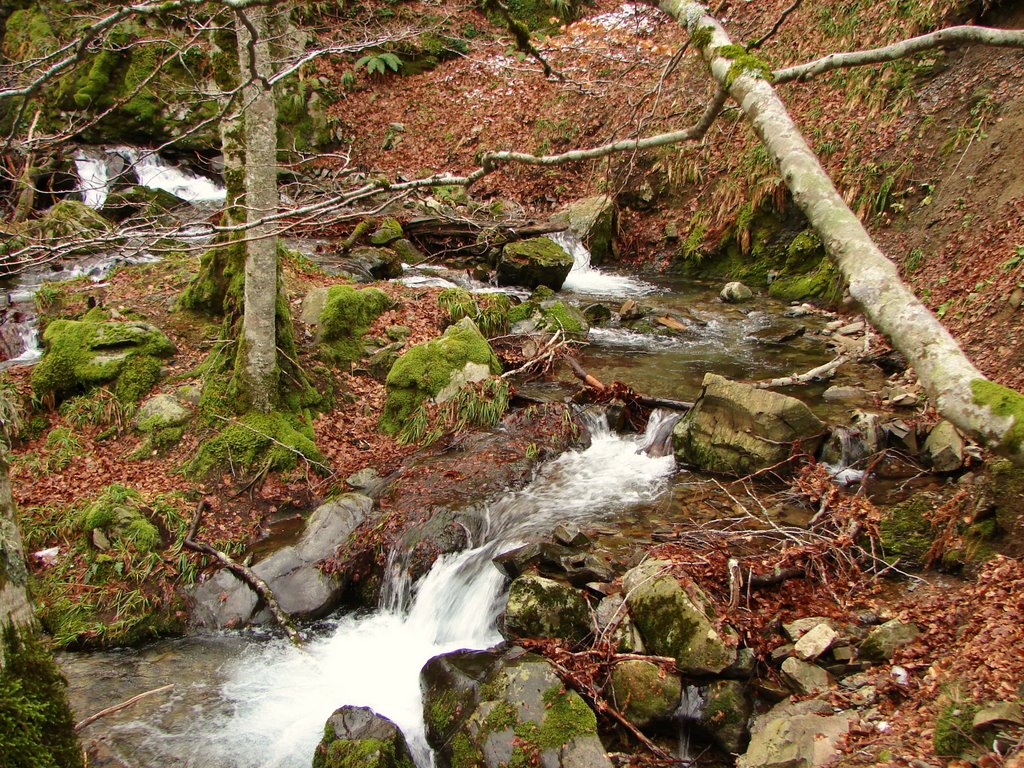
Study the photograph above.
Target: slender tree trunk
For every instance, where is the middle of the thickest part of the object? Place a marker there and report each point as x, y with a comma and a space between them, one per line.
15, 607
256, 366
989, 412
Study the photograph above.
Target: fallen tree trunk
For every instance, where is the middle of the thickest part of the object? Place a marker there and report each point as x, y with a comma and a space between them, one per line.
989, 412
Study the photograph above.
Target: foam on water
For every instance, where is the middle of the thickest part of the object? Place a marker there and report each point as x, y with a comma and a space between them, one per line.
584, 278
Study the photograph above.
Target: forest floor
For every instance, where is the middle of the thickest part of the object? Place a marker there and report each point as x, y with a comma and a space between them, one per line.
952, 217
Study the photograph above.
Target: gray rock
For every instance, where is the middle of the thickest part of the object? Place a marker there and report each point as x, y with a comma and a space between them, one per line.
794, 630
313, 305
846, 395
160, 412
726, 714
612, 617
570, 535
998, 715
739, 429
805, 678
675, 621
944, 448
367, 481
882, 641
539, 607
592, 220
483, 701
795, 737
533, 262
291, 572
645, 693
735, 292
815, 642
359, 736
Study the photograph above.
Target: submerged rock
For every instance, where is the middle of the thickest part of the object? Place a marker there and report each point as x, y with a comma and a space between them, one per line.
357, 737
506, 707
675, 621
737, 428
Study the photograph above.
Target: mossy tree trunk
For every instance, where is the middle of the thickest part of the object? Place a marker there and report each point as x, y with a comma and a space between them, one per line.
36, 725
989, 412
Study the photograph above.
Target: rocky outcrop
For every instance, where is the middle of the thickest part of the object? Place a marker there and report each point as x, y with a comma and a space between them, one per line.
736, 428
358, 736
506, 707
291, 573
594, 221
676, 621
533, 262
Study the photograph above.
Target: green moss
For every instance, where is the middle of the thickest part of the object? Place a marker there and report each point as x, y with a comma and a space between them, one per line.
347, 315
68, 220
567, 717
362, 753
464, 752
502, 716
277, 440
905, 532
138, 376
743, 63
1003, 402
824, 284
952, 735
425, 369
389, 230
36, 726
701, 37
443, 709
118, 511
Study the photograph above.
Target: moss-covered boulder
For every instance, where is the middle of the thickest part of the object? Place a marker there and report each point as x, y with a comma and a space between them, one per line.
69, 220
737, 428
492, 709
139, 201
594, 221
346, 315
119, 516
436, 370
645, 693
276, 440
676, 620
725, 716
81, 354
539, 607
533, 262
378, 263
357, 737
387, 232
546, 315
905, 531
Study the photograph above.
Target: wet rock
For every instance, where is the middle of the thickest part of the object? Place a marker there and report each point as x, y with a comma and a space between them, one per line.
882, 642
615, 624
815, 642
795, 736
805, 678
585, 568
597, 314
944, 448
725, 716
675, 621
644, 692
570, 535
630, 311
441, 533
291, 572
739, 429
367, 481
506, 707
539, 607
534, 262
359, 736
592, 220
735, 292
744, 666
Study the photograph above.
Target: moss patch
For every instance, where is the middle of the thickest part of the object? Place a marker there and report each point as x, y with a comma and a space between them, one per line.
362, 753
1005, 402
347, 315
36, 728
277, 440
905, 531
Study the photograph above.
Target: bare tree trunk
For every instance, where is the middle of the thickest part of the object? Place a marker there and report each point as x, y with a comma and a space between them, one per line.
991, 413
256, 365
15, 607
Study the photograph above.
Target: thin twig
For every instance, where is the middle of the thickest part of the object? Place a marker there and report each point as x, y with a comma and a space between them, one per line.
118, 707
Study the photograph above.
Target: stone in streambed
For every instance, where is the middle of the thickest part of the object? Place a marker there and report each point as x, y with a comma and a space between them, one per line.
539, 607
357, 737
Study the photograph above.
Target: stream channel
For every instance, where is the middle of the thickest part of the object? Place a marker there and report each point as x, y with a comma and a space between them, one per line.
243, 699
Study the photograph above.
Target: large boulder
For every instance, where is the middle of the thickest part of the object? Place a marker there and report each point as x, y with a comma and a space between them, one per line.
539, 607
803, 735
81, 354
737, 428
725, 715
533, 262
675, 620
291, 572
358, 736
645, 693
345, 315
594, 221
436, 370
496, 708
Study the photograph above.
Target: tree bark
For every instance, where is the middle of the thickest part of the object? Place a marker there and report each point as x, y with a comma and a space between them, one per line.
990, 413
15, 606
256, 365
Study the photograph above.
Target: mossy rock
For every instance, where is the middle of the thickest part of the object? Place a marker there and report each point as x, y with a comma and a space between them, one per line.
36, 725
1008, 494
538, 14
69, 220
81, 354
491, 311
276, 440
357, 737
534, 262
540, 314
347, 315
726, 713
594, 221
119, 514
388, 232
425, 370
539, 607
905, 531
644, 693
139, 200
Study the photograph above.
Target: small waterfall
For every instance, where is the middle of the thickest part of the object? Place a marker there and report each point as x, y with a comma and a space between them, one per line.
98, 169
691, 707
276, 698
583, 278
658, 435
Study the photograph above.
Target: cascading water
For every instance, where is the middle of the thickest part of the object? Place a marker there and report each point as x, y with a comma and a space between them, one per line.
269, 705
98, 168
584, 278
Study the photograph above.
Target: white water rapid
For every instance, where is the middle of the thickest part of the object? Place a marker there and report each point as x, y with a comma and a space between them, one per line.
586, 279
98, 168
274, 698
